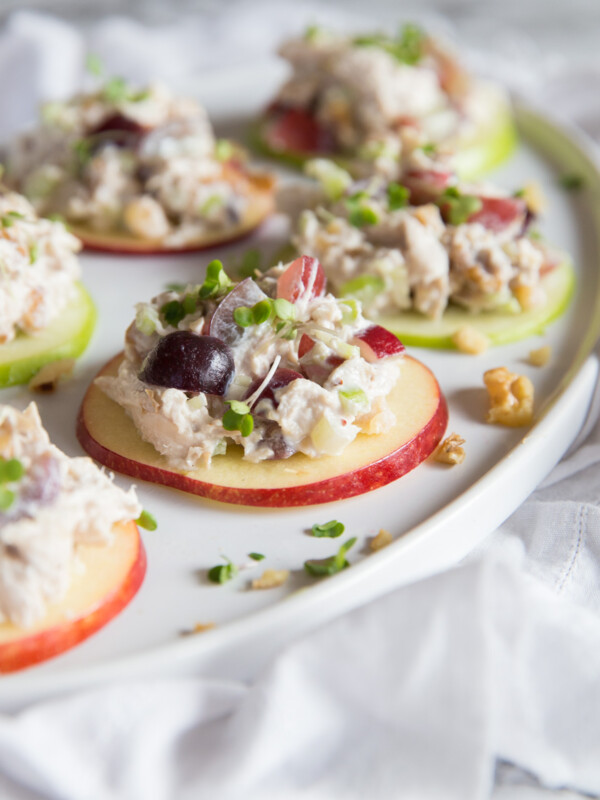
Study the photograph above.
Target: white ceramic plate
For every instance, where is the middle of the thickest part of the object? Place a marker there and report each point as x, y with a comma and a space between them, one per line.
436, 514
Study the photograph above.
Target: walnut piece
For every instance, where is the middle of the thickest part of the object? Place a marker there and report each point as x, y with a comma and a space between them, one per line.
511, 397
541, 356
380, 541
450, 450
47, 378
469, 340
271, 578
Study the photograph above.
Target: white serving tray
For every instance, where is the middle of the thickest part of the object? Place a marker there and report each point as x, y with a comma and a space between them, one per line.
436, 514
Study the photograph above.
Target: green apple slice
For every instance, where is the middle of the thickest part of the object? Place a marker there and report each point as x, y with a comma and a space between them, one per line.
474, 156
66, 337
500, 327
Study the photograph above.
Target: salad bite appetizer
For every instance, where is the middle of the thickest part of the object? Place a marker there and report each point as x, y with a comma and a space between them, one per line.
428, 254
45, 313
138, 171
71, 556
266, 392
352, 97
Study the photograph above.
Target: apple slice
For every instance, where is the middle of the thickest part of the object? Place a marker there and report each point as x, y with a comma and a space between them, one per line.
260, 206
65, 337
500, 327
108, 435
112, 576
489, 144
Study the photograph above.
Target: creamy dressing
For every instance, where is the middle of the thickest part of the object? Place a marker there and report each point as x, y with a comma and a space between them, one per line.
59, 503
38, 268
144, 163
310, 415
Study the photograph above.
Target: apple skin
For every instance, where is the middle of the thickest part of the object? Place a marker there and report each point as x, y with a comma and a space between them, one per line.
260, 207
376, 342
107, 434
29, 648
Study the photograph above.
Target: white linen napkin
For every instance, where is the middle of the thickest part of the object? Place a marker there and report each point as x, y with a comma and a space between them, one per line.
483, 681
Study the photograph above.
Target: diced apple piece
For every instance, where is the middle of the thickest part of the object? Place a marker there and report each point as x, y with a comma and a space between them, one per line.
303, 279
110, 578
108, 435
305, 346
376, 342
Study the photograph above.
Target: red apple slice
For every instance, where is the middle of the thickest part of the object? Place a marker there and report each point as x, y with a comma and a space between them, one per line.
111, 578
426, 185
376, 342
261, 205
108, 434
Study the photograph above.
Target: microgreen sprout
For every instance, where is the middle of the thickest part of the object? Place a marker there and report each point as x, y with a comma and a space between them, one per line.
11, 471
224, 150
147, 521
217, 282
329, 566
256, 556
175, 310
9, 218
281, 311
331, 529
460, 206
407, 47
571, 181
222, 572
34, 252
360, 213
397, 195
238, 418
94, 65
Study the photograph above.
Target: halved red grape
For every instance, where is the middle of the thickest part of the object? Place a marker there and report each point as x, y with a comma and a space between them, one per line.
193, 363
303, 274
222, 324
426, 185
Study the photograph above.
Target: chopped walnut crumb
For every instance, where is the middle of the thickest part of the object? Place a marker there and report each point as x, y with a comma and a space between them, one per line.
534, 197
511, 397
526, 296
380, 541
450, 450
47, 378
271, 578
541, 356
469, 340
199, 627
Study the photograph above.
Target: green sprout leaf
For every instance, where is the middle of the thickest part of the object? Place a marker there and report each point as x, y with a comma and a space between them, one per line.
238, 418
115, 91
243, 316
360, 213
256, 556
398, 196
329, 566
459, 206
173, 312
94, 65
34, 252
147, 521
331, 529
222, 572
11, 469
7, 498
217, 282
571, 182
